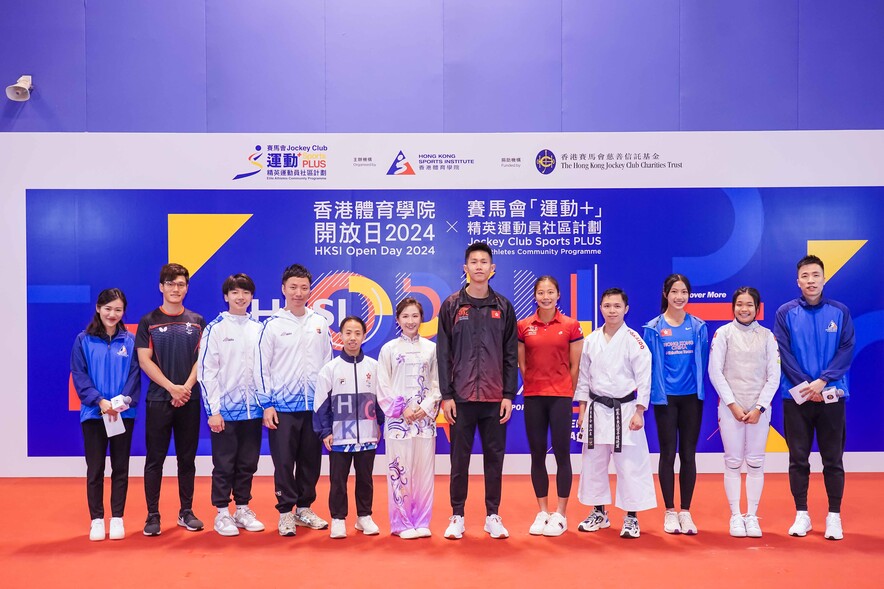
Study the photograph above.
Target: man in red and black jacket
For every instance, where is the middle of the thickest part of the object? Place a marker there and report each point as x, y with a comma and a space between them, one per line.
477, 356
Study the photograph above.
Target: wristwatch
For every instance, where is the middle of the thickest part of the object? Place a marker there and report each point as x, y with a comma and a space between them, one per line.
761, 408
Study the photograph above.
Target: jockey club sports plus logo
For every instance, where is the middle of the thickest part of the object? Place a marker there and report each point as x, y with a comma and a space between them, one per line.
400, 166
253, 160
285, 161
545, 161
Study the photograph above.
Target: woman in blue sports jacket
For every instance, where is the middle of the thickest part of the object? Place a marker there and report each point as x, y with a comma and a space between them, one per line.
104, 365
679, 345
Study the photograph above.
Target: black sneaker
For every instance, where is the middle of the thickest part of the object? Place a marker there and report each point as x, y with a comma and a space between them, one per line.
186, 519
152, 525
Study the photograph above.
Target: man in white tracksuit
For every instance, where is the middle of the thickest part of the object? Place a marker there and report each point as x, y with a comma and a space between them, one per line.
225, 370
294, 345
615, 381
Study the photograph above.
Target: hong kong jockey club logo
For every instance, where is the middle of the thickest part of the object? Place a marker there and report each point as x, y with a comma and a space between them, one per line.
545, 161
400, 166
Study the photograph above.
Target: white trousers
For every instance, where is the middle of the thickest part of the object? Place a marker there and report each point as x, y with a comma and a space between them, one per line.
635, 481
743, 442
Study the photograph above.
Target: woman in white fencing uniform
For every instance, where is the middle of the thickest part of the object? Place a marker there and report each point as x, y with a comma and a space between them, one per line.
744, 367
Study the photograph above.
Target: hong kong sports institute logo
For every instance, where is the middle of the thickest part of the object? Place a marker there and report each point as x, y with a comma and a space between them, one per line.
545, 161
400, 166
253, 160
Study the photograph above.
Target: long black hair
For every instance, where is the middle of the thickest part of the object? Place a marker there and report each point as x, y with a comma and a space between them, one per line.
667, 286
96, 327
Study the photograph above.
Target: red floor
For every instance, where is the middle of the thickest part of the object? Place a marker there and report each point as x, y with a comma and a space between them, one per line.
44, 543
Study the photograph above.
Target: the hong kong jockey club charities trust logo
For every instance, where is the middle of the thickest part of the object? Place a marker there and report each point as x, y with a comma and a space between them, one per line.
254, 161
545, 162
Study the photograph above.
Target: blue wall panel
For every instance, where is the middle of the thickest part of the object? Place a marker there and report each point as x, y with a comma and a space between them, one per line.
840, 75
265, 66
503, 66
47, 40
443, 65
620, 65
739, 65
146, 66
384, 67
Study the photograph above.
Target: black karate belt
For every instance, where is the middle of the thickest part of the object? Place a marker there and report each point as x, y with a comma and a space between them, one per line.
611, 403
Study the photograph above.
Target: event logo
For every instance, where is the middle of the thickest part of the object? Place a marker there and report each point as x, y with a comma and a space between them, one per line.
253, 160
346, 293
400, 166
545, 162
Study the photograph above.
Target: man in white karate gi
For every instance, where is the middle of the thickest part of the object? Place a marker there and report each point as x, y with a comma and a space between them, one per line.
613, 391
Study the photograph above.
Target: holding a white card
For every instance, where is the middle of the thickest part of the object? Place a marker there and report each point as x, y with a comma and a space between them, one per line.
104, 366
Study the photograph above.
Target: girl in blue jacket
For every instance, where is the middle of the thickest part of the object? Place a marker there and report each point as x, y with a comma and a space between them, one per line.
104, 365
679, 345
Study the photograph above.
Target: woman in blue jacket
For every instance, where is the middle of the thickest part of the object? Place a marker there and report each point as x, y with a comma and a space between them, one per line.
679, 345
104, 365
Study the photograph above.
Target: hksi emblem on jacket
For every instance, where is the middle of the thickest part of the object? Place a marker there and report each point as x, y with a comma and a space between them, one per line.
463, 314
495, 314
832, 328
123, 353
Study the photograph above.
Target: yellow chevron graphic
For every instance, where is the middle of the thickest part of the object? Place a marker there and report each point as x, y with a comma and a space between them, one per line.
193, 239
775, 441
834, 252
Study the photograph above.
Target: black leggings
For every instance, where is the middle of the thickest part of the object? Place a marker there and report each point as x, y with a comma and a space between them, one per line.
678, 424
549, 415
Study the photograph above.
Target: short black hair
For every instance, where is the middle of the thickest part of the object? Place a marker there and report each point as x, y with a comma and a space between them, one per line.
235, 281
811, 259
355, 318
479, 246
752, 292
297, 271
172, 271
611, 292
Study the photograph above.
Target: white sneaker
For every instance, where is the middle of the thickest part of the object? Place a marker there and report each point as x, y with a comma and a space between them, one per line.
338, 529
96, 530
540, 521
738, 526
801, 525
245, 518
686, 523
367, 526
494, 526
117, 531
556, 525
630, 527
833, 527
424, 532
224, 524
304, 516
670, 523
455, 528
409, 534
753, 529
286, 524
594, 522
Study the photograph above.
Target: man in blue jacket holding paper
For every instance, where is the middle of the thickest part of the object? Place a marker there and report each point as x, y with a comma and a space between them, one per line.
816, 341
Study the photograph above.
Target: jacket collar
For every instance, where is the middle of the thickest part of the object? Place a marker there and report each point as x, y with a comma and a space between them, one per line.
348, 358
